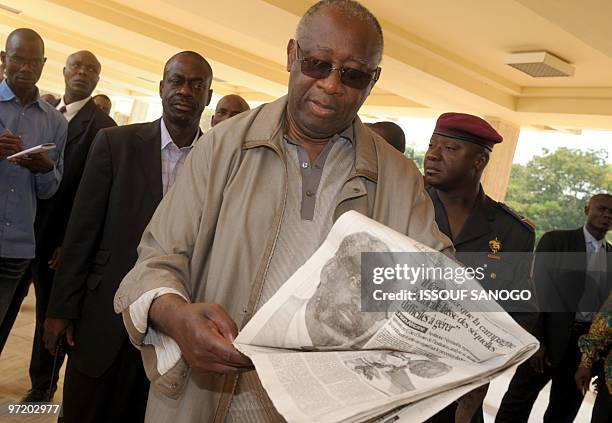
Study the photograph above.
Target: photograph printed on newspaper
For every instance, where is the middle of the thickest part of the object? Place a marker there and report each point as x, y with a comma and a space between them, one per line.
321, 358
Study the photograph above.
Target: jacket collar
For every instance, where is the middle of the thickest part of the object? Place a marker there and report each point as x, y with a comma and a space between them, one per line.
268, 126
80, 122
150, 156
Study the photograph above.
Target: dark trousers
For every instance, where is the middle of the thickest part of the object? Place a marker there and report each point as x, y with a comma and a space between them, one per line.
118, 396
41, 362
602, 409
565, 398
11, 274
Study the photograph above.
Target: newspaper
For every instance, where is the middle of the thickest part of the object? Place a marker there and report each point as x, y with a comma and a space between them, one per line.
321, 359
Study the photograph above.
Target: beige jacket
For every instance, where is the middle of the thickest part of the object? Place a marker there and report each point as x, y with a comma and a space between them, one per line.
213, 235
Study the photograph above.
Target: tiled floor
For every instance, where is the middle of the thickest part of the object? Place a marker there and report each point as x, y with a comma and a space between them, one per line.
14, 379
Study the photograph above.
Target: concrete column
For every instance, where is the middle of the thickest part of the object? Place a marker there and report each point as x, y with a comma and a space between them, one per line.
139, 111
497, 173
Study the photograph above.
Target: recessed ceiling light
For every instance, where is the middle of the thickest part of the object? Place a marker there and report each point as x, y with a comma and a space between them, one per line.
540, 64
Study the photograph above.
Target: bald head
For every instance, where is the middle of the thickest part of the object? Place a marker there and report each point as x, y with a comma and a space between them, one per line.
599, 215
601, 196
350, 10
23, 58
190, 56
185, 90
392, 133
24, 35
103, 102
81, 75
228, 106
85, 54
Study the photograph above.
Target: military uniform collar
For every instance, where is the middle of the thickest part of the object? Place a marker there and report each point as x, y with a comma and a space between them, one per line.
477, 223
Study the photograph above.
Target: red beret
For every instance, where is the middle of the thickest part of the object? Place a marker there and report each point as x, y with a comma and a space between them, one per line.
469, 128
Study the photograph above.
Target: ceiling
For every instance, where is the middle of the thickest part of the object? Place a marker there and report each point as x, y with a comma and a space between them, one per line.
440, 55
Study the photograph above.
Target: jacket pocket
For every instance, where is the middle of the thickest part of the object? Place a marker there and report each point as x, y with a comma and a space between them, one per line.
101, 257
93, 280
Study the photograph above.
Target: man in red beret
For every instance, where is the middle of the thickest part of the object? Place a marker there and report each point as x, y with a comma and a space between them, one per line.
482, 230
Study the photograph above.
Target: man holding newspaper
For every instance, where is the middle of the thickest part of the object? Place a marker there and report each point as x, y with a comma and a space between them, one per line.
255, 200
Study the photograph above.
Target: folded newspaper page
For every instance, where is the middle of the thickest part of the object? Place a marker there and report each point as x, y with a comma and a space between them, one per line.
322, 358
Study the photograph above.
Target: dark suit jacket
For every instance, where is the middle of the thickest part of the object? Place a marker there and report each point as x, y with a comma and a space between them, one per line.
560, 275
119, 192
52, 214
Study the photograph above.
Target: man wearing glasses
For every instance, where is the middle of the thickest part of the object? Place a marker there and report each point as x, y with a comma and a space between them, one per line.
25, 121
256, 198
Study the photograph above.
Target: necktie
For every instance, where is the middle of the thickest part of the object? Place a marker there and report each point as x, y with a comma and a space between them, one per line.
63, 110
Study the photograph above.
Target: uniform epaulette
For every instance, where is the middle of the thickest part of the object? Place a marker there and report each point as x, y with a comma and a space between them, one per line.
525, 221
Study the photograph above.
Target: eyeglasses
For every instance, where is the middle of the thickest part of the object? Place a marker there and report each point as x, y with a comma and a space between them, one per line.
20, 61
320, 69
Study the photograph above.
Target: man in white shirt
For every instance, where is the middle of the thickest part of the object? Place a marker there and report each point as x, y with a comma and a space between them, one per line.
129, 170
573, 274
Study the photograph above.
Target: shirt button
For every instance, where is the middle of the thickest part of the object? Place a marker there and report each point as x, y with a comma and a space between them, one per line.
304, 165
173, 386
7, 224
309, 193
12, 189
493, 275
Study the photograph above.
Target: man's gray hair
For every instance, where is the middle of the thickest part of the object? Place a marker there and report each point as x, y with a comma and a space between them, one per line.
350, 9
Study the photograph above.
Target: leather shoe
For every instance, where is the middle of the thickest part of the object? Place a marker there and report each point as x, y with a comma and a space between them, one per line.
38, 395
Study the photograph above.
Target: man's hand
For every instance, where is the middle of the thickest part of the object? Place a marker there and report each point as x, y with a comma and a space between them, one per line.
55, 258
55, 329
583, 379
9, 145
539, 361
35, 163
203, 332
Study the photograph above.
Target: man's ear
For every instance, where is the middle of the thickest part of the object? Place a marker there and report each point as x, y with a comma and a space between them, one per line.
481, 161
161, 85
290, 54
209, 96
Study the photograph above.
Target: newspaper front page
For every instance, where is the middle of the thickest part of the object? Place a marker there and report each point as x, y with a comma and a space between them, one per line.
322, 359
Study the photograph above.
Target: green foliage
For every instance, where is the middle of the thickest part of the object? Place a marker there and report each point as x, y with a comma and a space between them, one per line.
552, 189
417, 156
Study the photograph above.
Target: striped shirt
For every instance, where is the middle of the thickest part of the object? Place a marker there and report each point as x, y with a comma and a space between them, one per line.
172, 157
313, 192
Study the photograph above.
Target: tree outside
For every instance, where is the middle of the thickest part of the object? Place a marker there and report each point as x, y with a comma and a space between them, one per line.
552, 189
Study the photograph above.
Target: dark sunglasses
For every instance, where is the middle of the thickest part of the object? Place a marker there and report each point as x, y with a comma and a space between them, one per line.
320, 69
